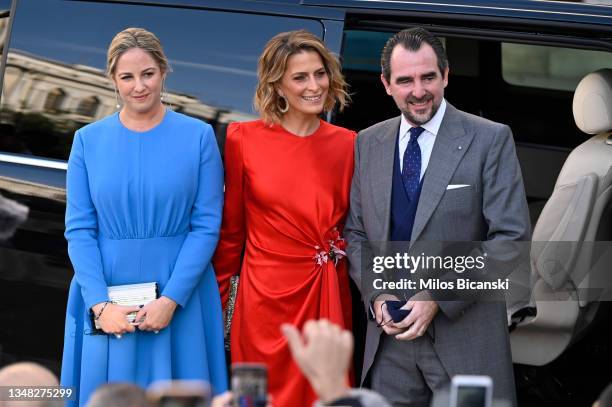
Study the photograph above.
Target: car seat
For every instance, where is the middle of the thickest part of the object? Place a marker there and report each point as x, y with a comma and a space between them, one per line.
568, 265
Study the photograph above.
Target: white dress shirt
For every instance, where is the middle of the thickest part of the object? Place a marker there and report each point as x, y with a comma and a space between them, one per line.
426, 139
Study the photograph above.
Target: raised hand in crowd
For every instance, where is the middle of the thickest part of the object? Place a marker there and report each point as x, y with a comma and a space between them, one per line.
323, 353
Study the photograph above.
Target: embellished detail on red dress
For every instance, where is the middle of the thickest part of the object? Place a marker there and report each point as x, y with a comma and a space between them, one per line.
335, 251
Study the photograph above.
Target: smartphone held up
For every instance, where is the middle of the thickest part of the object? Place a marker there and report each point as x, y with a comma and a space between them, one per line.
471, 391
250, 384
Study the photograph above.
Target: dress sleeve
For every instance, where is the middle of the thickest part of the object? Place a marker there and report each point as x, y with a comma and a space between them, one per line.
199, 245
228, 257
82, 229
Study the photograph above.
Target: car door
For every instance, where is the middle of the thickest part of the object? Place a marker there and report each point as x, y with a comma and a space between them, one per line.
54, 83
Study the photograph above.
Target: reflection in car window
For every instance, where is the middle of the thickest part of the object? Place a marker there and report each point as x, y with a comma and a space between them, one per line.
5, 7
54, 82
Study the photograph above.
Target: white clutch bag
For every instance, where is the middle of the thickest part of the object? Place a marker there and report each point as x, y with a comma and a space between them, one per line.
130, 295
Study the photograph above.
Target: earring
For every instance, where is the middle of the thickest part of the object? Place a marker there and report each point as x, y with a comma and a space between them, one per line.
164, 95
118, 106
285, 108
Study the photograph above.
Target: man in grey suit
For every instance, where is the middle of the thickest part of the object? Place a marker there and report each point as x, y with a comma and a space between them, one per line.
434, 173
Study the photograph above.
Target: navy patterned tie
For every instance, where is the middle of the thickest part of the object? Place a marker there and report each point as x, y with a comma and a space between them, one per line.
411, 164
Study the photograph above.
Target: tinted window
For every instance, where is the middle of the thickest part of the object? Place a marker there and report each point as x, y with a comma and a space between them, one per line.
550, 67
54, 82
5, 6
362, 49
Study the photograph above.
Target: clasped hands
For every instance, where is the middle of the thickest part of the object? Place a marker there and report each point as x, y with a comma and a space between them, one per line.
423, 310
154, 316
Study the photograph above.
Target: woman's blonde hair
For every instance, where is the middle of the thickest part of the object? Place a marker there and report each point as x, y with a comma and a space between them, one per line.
135, 38
273, 63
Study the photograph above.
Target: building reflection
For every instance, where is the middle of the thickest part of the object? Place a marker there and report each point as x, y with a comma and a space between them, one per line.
45, 101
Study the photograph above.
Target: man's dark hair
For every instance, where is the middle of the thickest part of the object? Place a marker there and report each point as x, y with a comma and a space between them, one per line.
412, 39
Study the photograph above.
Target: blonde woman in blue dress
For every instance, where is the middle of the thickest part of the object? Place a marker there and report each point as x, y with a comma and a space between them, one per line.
144, 204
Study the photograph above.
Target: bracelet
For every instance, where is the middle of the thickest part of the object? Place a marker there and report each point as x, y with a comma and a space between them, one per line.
97, 317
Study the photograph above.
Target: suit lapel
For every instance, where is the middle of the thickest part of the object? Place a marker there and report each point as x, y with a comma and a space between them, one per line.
449, 148
383, 174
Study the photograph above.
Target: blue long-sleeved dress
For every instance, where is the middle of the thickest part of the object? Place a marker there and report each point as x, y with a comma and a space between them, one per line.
142, 207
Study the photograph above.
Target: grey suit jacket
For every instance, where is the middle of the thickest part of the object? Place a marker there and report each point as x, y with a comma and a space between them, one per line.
470, 337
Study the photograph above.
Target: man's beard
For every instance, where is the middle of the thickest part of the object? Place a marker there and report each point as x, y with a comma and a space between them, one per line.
420, 118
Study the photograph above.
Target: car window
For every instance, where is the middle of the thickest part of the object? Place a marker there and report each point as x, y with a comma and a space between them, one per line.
549, 67
54, 81
362, 49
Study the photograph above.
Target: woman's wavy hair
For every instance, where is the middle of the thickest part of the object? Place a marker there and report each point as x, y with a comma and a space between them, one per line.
273, 63
135, 38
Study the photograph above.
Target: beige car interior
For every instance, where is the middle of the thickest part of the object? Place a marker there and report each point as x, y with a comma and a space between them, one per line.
569, 273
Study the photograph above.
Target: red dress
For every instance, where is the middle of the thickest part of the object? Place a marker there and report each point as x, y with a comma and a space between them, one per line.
286, 198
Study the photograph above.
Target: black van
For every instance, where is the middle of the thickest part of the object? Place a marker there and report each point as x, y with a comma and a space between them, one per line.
513, 61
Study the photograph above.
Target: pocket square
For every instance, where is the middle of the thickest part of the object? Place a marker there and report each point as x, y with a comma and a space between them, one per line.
456, 186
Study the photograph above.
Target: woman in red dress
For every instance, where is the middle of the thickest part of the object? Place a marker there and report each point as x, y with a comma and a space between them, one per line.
287, 189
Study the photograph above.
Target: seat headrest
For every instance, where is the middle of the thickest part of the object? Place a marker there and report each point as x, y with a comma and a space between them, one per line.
593, 102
